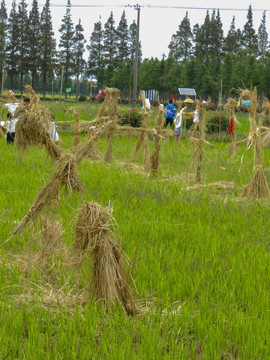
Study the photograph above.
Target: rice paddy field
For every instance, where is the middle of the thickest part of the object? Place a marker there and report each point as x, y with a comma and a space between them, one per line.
200, 257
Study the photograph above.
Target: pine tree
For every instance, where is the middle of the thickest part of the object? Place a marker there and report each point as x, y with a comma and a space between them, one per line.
206, 34
34, 39
216, 35
95, 50
3, 39
66, 45
110, 38
122, 39
262, 37
22, 40
250, 39
232, 41
12, 45
78, 52
47, 45
181, 43
132, 31
197, 39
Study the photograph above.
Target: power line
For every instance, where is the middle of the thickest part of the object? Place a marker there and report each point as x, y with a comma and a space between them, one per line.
152, 6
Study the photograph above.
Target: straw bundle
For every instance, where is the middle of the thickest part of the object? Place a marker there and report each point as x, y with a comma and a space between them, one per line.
93, 153
109, 278
64, 175
113, 110
194, 128
252, 96
258, 185
197, 155
2, 136
155, 155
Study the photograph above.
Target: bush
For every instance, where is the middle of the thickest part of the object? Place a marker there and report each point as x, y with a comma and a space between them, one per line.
189, 121
131, 117
212, 124
82, 97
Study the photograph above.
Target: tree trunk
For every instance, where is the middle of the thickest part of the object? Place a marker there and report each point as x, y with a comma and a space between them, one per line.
44, 86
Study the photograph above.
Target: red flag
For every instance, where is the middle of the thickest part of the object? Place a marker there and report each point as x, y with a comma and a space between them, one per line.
231, 128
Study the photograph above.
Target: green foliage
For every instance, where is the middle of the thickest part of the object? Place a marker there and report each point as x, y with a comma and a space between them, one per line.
216, 120
82, 97
133, 118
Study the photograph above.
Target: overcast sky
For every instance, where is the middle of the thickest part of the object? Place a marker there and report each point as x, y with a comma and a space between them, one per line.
159, 20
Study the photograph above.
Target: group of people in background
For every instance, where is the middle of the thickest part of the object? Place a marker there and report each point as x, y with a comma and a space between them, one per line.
169, 113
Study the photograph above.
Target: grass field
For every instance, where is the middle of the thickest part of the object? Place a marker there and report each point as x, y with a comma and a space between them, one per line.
202, 258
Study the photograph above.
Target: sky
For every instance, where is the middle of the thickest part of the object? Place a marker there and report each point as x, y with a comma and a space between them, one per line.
159, 20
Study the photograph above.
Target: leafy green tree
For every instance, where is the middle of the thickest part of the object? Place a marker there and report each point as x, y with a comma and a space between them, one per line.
47, 46
263, 43
181, 43
110, 41
227, 72
250, 39
78, 52
66, 46
3, 39
190, 73
22, 41
122, 39
12, 44
96, 50
34, 39
123, 76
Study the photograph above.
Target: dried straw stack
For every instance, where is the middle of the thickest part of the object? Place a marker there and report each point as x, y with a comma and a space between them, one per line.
252, 96
258, 185
144, 137
155, 155
33, 126
109, 278
2, 136
197, 155
230, 106
113, 111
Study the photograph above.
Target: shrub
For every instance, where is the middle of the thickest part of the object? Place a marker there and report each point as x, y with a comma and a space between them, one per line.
212, 124
131, 117
189, 121
82, 97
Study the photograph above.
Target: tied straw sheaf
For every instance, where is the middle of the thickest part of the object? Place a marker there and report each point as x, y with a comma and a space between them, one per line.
93, 233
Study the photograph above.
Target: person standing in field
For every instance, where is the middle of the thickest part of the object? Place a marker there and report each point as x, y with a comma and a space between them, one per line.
169, 113
11, 124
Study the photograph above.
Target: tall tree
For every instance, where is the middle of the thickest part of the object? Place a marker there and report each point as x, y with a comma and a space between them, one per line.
122, 39
250, 39
66, 45
110, 40
47, 46
206, 34
3, 39
263, 43
22, 40
232, 42
197, 40
96, 50
12, 45
216, 35
78, 52
34, 39
181, 43
132, 31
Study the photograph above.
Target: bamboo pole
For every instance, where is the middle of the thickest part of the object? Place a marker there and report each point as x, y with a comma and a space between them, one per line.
61, 88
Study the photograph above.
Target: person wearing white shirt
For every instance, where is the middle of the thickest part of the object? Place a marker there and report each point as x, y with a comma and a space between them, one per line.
11, 125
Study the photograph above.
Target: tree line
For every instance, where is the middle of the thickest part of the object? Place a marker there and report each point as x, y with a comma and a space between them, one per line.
201, 57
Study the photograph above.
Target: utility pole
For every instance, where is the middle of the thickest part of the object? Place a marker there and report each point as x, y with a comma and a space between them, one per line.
136, 7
